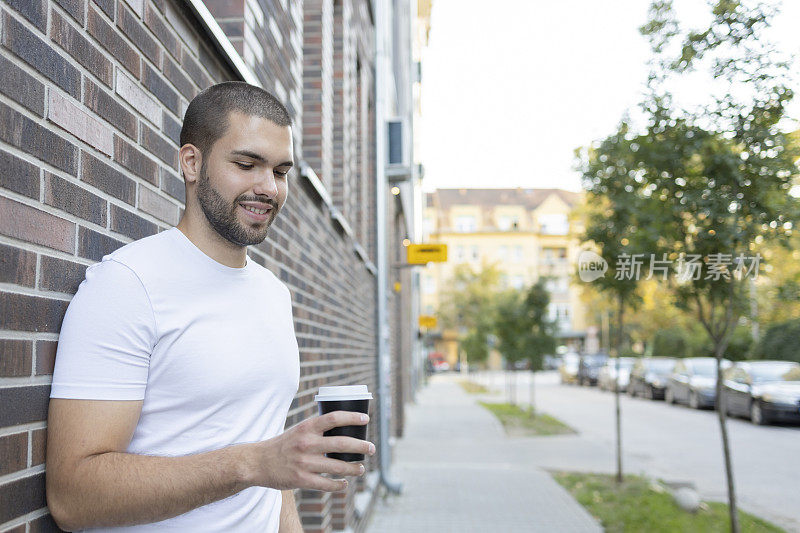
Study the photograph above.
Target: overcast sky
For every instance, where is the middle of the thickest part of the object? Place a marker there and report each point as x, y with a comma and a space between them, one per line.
510, 88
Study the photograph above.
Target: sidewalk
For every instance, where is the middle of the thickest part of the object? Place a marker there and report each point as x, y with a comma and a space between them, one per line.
460, 474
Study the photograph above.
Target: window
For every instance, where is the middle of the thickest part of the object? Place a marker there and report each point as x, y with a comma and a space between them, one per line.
554, 224
465, 224
459, 253
502, 253
428, 285
518, 254
507, 223
475, 253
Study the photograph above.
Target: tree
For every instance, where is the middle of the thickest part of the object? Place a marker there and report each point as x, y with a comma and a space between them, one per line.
780, 342
720, 172
468, 303
522, 327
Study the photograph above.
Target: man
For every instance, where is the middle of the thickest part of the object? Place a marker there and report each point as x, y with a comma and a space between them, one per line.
177, 360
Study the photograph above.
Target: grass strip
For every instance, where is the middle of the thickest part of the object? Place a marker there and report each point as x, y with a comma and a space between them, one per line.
519, 422
637, 505
473, 388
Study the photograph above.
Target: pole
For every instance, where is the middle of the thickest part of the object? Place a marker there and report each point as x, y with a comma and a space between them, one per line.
383, 360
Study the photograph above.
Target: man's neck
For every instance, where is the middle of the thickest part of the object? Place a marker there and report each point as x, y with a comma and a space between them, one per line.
212, 243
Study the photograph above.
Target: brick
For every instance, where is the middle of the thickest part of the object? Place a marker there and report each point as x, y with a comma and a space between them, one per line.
130, 224
21, 312
13, 453
17, 266
179, 79
107, 6
177, 19
105, 105
133, 28
195, 71
137, 6
38, 446
44, 524
20, 131
93, 245
130, 91
84, 52
172, 128
64, 113
74, 8
131, 158
33, 10
18, 175
159, 147
40, 56
161, 89
173, 185
21, 86
112, 41
74, 199
45, 357
225, 8
162, 32
28, 224
155, 204
233, 29
21, 496
15, 361
107, 179
60, 275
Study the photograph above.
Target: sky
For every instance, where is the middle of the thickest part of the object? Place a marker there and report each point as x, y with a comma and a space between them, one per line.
511, 88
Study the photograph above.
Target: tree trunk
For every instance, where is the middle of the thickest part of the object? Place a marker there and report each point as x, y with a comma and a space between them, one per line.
618, 417
723, 427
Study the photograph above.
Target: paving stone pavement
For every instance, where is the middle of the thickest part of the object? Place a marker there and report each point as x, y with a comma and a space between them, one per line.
460, 473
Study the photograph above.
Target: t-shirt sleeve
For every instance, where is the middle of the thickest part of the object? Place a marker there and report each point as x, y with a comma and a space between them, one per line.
106, 339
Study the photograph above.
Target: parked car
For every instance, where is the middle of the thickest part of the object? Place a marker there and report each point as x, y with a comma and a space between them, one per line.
607, 375
589, 367
649, 377
694, 382
764, 391
551, 362
568, 371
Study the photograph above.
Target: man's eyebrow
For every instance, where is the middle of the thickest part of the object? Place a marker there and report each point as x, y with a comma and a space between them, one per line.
258, 157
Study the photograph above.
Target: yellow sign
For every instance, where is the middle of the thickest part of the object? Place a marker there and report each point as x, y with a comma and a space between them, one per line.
398, 286
419, 254
427, 321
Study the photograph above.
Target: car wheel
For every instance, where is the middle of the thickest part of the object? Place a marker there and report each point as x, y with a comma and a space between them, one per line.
757, 414
694, 400
669, 396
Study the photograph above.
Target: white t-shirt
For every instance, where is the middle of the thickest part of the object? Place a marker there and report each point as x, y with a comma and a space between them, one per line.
210, 349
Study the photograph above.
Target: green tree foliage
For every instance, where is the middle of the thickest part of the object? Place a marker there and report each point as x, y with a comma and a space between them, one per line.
670, 342
780, 342
522, 327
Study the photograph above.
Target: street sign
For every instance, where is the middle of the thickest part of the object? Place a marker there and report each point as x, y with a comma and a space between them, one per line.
427, 321
419, 254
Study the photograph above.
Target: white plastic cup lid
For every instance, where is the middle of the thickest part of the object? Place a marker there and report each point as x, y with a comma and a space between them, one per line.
343, 392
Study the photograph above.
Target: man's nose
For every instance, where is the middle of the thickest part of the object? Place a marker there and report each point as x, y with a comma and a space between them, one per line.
266, 184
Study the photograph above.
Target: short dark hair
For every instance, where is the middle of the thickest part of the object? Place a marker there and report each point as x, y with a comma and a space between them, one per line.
206, 118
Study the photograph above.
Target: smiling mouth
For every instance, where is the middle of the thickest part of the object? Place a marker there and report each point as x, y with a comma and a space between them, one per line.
254, 210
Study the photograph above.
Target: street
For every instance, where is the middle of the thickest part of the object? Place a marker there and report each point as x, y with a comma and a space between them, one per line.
673, 443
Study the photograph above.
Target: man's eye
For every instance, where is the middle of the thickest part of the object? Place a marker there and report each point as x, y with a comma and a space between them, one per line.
244, 166
282, 173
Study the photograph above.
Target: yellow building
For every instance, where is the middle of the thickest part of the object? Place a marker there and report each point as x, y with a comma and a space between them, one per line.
526, 232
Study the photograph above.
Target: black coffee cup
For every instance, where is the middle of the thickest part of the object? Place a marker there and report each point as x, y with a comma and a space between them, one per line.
345, 398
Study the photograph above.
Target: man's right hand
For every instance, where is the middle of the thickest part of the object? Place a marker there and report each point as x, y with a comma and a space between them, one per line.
296, 458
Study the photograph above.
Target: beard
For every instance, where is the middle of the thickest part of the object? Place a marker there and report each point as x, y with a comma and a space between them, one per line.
222, 215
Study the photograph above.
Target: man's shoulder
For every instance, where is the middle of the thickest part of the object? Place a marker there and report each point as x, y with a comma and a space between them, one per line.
147, 252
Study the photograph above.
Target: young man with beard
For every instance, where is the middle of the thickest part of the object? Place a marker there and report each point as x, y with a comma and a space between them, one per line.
177, 360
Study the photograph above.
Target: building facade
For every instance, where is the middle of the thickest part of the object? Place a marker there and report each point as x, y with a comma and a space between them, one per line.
526, 233
92, 95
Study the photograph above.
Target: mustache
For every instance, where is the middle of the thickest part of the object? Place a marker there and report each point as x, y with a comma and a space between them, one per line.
263, 199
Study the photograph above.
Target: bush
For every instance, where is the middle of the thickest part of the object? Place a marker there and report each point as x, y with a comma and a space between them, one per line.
780, 342
670, 342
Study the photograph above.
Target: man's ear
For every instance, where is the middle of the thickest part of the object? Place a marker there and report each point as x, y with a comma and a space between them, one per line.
191, 160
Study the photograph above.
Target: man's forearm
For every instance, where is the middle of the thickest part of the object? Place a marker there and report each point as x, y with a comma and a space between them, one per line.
290, 519
116, 489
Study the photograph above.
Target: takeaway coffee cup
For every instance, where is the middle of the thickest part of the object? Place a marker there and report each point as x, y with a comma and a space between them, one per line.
345, 398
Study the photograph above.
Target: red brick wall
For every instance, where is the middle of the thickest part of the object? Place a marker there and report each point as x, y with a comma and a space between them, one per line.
92, 94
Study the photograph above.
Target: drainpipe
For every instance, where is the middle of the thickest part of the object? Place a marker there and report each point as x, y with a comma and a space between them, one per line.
383, 360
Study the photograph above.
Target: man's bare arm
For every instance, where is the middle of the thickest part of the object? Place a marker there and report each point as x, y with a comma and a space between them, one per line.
290, 519
91, 481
